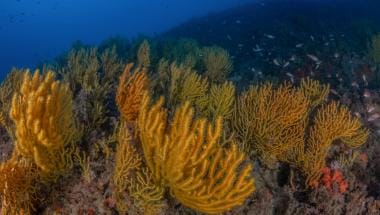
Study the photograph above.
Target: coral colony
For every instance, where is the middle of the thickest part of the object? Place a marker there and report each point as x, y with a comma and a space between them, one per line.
163, 134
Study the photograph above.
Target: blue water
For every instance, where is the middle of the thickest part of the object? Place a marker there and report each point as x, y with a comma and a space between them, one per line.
32, 31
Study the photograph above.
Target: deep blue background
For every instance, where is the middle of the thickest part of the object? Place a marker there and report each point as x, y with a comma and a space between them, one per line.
38, 30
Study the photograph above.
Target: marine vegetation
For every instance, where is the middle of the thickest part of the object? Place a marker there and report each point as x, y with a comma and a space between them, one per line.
45, 137
185, 157
171, 133
277, 124
375, 48
17, 184
8, 87
45, 127
129, 92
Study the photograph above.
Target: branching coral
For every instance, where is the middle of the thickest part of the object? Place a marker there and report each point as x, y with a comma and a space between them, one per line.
45, 129
193, 88
81, 69
264, 116
330, 123
217, 62
130, 91
127, 161
185, 85
143, 55
17, 187
160, 78
183, 51
132, 177
316, 93
275, 123
220, 101
185, 156
146, 194
8, 87
375, 48
91, 75
111, 65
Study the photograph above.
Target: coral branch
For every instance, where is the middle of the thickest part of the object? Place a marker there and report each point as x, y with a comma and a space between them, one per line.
45, 128
186, 157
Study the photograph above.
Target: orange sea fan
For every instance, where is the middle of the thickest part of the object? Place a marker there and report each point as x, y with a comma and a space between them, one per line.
130, 92
44, 122
184, 155
17, 188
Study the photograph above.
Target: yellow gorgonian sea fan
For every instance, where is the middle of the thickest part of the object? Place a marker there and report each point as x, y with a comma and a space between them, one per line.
45, 127
132, 177
220, 101
143, 55
130, 91
184, 155
332, 122
218, 63
315, 92
17, 187
264, 117
279, 124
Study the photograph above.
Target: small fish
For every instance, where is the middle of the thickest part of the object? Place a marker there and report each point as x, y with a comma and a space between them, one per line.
270, 36
293, 58
336, 55
357, 114
299, 45
366, 93
257, 49
229, 37
275, 61
286, 64
289, 74
355, 84
312, 38
240, 45
373, 117
334, 92
238, 22
318, 64
313, 57
370, 109
364, 77
327, 43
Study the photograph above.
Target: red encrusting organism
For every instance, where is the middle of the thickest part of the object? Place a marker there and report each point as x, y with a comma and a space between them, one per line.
331, 177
